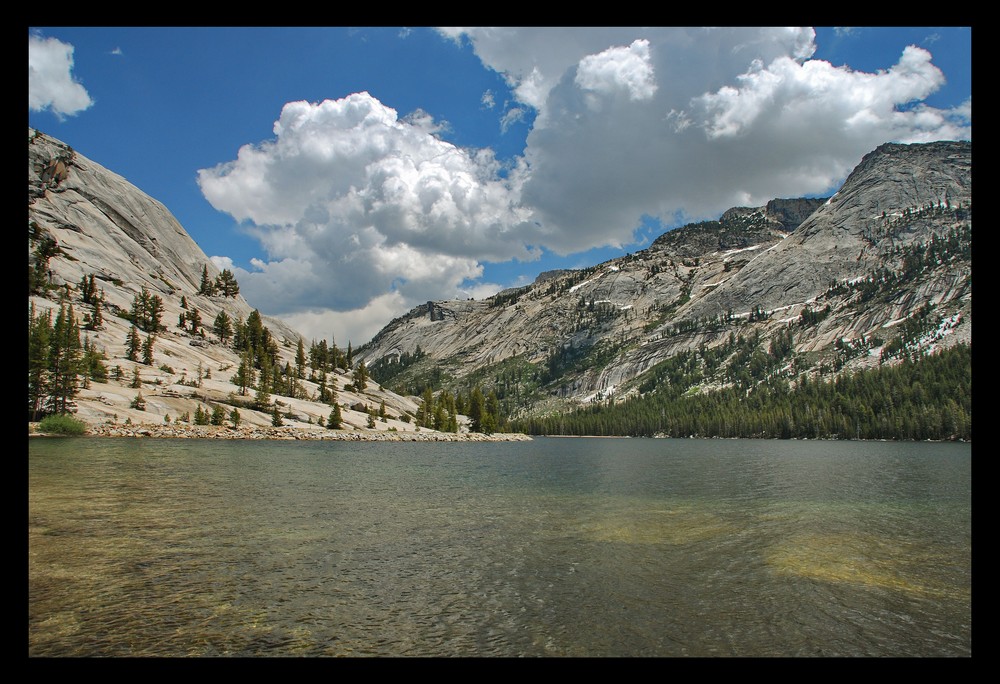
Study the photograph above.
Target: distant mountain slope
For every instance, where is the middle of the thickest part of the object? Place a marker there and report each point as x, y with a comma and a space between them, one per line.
842, 278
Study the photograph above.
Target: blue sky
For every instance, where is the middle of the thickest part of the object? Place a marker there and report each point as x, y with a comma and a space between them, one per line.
348, 174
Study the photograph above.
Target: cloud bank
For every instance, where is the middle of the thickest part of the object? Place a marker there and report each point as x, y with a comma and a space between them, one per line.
361, 210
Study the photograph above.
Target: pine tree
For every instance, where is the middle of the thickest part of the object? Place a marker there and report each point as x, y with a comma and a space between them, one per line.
154, 314
290, 386
137, 314
263, 399
255, 338
336, 357
39, 341
276, 382
276, 419
147, 350
97, 318
46, 247
218, 415
492, 413
88, 289
324, 393
318, 356
361, 377
234, 416
223, 327
335, 421
226, 284
93, 362
206, 288
64, 360
477, 409
244, 377
447, 401
194, 318
425, 417
300, 360
489, 424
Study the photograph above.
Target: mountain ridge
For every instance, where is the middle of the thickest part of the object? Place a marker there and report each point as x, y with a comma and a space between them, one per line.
756, 268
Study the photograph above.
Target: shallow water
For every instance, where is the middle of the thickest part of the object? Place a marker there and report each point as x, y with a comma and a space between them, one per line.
555, 547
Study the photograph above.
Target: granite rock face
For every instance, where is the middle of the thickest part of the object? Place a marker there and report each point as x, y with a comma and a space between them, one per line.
755, 269
107, 228
849, 234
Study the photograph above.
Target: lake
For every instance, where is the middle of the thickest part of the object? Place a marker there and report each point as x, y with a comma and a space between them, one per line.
554, 547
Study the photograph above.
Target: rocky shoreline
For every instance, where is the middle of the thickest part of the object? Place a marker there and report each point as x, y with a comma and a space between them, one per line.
181, 431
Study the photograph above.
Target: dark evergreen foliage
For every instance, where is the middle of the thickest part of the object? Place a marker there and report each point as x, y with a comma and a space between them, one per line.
361, 377
226, 284
65, 352
928, 397
46, 247
387, 368
207, 287
335, 421
223, 327
147, 312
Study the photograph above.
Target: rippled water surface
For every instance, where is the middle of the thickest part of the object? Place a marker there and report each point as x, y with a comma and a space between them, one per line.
555, 547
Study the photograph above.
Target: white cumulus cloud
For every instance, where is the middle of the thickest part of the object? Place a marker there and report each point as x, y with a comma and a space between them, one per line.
616, 69
51, 84
351, 202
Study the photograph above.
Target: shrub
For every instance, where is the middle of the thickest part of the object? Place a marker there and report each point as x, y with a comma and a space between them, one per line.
62, 424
